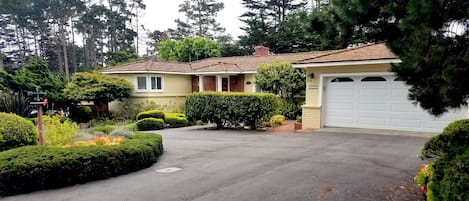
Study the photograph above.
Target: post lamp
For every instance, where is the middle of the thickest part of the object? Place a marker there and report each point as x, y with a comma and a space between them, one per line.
39, 103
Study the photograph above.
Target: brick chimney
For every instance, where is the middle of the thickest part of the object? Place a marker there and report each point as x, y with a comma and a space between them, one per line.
261, 51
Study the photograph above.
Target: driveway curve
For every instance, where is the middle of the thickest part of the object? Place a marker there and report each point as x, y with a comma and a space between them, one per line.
208, 165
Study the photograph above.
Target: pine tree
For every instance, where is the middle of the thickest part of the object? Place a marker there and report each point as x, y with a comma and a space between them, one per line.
200, 19
264, 18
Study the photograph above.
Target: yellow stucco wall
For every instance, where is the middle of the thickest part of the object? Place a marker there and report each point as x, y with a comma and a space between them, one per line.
312, 110
175, 90
249, 87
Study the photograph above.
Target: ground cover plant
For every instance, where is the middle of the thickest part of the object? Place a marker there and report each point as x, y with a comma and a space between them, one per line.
32, 168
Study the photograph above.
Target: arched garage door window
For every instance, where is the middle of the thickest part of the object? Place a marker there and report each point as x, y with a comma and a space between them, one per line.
342, 79
374, 79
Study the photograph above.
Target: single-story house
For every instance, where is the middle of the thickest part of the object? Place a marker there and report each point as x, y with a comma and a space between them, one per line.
350, 87
169, 83
354, 88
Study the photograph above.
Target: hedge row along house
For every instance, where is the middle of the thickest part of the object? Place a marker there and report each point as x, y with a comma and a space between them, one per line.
350, 87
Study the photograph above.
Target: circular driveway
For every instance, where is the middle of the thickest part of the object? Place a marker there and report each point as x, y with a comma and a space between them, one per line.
210, 165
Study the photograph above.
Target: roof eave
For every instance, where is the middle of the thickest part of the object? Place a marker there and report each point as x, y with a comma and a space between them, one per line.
345, 63
180, 73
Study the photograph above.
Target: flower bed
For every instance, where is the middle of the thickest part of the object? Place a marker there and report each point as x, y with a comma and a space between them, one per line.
31, 168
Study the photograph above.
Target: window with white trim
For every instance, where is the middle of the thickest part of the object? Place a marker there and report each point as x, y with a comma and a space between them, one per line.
150, 83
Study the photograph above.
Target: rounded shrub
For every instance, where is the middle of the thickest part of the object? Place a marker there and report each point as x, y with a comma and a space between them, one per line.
176, 120
32, 168
16, 131
454, 136
150, 124
449, 175
158, 114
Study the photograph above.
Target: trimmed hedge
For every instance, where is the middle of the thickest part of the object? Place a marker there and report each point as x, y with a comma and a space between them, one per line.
16, 131
231, 109
148, 124
176, 120
32, 168
157, 114
450, 170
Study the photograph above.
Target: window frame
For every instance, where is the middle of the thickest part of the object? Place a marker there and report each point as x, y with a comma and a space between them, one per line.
148, 79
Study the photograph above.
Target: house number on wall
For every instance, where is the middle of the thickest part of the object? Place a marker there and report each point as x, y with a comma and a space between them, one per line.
313, 86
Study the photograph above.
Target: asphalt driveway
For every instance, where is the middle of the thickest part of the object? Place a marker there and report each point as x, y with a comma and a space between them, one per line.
253, 166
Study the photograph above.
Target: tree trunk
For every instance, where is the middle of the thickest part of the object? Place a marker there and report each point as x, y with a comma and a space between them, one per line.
64, 49
73, 51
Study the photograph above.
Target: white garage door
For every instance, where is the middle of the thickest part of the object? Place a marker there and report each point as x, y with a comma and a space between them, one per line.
378, 102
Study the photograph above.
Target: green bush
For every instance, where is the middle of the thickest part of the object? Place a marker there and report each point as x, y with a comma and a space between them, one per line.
150, 124
59, 131
289, 108
16, 131
450, 170
454, 135
158, 114
176, 120
80, 113
231, 109
34, 168
450, 178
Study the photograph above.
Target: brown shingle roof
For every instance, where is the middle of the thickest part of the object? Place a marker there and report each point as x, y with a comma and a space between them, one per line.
150, 65
250, 63
361, 53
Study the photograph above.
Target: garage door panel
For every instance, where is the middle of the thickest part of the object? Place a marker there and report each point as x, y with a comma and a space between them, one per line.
372, 107
340, 107
403, 107
372, 122
406, 123
399, 93
342, 92
341, 121
376, 92
375, 103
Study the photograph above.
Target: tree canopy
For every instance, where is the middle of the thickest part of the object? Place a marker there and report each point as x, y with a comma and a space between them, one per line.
97, 87
200, 19
189, 49
34, 74
281, 78
48, 29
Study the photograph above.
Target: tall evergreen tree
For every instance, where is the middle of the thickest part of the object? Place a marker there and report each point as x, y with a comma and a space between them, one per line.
200, 19
264, 18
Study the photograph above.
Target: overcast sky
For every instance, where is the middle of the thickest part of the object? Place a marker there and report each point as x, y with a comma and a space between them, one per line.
160, 15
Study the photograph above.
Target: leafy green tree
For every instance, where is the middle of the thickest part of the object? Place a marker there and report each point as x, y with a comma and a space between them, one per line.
281, 78
119, 57
430, 37
200, 19
97, 87
188, 49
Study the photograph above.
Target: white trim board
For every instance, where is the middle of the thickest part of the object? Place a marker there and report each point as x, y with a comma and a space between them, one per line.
347, 63
179, 73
